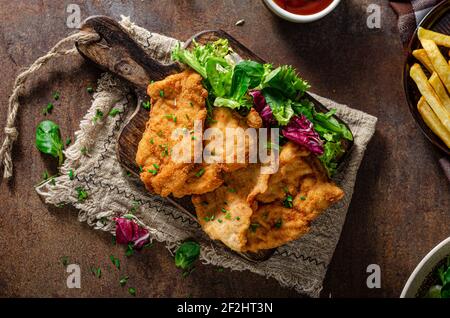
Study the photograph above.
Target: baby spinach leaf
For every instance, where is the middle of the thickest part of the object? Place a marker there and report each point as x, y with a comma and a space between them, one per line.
187, 254
48, 140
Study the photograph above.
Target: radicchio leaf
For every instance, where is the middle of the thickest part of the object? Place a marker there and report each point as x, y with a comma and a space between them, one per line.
128, 231
264, 110
301, 131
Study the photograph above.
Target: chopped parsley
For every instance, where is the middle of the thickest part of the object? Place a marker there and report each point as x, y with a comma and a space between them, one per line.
82, 194
68, 141
47, 109
278, 223
123, 280
231, 190
154, 171
238, 218
254, 227
98, 115
115, 261
45, 175
165, 150
219, 220
56, 95
146, 105
130, 251
114, 112
152, 141
224, 210
288, 201
200, 173
141, 169
228, 216
71, 174
132, 291
171, 117
303, 198
161, 93
90, 90
84, 150
65, 261
134, 207
96, 271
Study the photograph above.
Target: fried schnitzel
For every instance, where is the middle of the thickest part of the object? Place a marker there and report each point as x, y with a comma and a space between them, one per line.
252, 211
177, 101
235, 203
233, 155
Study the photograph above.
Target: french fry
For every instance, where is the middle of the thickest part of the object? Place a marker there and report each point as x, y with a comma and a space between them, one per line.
439, 62
440, 91
438, 38
430, 95
430, 118
422, 57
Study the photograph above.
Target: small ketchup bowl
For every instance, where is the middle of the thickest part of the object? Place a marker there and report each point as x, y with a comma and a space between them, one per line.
301, 11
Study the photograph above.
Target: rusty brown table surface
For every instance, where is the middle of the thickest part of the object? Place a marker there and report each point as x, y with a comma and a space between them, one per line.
399, 210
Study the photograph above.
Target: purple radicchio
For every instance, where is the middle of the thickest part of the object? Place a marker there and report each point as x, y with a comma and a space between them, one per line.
128, 231
301, 131
264, 110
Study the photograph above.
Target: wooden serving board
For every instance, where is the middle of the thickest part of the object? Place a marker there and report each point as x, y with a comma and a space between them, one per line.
119, 54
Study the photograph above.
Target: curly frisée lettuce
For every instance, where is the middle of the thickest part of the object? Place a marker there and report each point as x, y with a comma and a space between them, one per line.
229, 79
277, 94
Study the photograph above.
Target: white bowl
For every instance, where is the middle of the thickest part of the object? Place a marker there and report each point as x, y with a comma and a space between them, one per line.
297, 18
425, 267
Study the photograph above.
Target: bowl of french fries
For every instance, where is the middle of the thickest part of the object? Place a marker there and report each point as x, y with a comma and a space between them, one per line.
427, 76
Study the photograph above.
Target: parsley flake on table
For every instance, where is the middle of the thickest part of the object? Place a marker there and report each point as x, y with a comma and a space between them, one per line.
115, 261
56, 95
65, 260
47, 109
132, 291
130, 250
82, 194
123, 280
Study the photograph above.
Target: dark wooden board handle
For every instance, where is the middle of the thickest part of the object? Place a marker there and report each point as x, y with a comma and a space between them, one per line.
117, 52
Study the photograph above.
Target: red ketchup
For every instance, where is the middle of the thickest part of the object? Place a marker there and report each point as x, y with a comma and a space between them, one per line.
303, 7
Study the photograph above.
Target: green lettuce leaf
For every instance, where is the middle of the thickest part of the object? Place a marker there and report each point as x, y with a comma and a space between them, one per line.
198, 56
280, 106
285, 80
219, 75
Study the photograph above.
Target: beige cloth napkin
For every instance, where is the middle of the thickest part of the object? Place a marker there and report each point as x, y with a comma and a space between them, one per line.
301, 264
